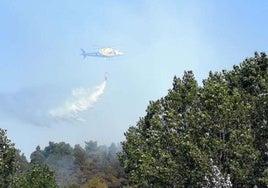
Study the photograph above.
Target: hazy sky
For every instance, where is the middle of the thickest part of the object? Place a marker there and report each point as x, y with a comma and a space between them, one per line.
48, 92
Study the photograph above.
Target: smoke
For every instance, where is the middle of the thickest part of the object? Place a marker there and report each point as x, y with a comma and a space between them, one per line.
30, 105
80, 101
40, 106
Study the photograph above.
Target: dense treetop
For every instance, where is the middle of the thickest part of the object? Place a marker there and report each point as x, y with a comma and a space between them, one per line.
204, 136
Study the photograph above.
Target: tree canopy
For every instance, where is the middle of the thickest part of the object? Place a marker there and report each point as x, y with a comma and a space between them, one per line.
204, 136
8, 163
60, 165
88, 166
15, 170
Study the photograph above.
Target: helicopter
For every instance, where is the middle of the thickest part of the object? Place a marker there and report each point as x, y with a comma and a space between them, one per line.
102, 52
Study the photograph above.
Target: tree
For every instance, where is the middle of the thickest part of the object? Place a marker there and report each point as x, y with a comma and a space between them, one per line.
224, 121
36, 177
82, 163
80, 157
230, 140
161, 150
58, 149
59, 158
74, 167
8, 163
15, 171
23, 164
91, 148
112, 152
37, 157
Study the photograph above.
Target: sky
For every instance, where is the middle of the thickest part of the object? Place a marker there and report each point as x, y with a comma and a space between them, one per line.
49, 92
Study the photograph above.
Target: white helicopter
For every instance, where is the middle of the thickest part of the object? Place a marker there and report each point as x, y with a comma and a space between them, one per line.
103, 52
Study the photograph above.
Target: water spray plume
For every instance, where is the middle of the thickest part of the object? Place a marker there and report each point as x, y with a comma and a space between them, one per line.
80, 101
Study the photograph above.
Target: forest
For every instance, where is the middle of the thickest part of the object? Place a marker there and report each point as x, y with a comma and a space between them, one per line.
209, 135
61, 165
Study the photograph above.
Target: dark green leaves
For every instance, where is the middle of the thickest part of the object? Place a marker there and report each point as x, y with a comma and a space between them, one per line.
224, 121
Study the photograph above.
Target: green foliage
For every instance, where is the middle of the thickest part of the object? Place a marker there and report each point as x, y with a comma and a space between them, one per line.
16, 172
80, 156
74, 167
37, 157
8, 163
23, 164
59, 149
59, 158
264, 178
36, 177
224, 121
91, 148
60, 165
98, 162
